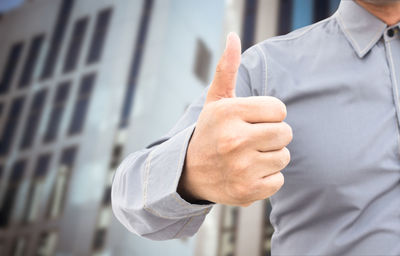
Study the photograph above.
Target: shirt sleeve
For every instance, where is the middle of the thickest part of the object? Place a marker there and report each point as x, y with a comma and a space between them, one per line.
144, 190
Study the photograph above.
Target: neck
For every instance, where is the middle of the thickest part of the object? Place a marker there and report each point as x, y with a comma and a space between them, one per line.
386, 10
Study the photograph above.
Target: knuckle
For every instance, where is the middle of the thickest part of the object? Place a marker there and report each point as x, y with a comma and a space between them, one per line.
224, 108
283, 158
229, 142
242, 165
280, 108
221, 107
280, 180
241, 193
287, 133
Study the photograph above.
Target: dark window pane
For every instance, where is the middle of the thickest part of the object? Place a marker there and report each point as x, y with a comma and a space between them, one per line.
81, 105
11, 191
135, 64
1, 109
11, 125
31, 60
107, 197
10, 67
249, 23
333, 5
202, 62
57, 38
75, 45
57, 112
19, 246
99, 35
285, 16
41, 166
61, 182
321, 10
116, 156
33, 119
99, 239
47, 243
36, 185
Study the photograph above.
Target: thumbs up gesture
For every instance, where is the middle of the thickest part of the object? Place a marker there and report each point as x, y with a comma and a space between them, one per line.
238, 147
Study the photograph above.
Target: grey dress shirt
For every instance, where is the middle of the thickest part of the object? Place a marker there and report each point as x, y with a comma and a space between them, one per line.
339, 79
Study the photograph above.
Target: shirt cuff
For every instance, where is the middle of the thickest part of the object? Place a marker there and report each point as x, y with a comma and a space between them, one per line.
163, 170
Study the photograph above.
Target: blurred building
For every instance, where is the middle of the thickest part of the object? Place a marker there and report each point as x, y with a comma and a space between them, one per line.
83, 84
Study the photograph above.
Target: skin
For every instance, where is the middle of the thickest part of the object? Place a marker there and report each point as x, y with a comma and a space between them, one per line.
386, 10
238, 148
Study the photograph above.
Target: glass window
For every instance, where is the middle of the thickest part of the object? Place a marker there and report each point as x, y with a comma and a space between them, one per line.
228, 228
19, 247
35, 190
11, 125
57, 38
31, 60
321, 10
135, 64
202, 62
294, 14
249, 23
99, 35
59, 190
107, 196
285, 16
116, 156
59, 102
99, 239
47, 243
302, 13
2, 246
75, 44
33, 119
81, 104
11, 191
1, 109
333, 5
10, 67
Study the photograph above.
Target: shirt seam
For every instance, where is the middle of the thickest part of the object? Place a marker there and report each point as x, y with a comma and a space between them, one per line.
154, 212
296, 36
346, 31
393, 74
264, 57
183, 227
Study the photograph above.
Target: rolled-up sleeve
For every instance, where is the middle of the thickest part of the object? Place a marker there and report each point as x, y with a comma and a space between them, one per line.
144, 191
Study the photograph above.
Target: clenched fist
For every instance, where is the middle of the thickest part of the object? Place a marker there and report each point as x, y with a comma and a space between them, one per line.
239, 144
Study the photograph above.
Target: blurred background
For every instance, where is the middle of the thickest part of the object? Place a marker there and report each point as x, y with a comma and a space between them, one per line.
84, 83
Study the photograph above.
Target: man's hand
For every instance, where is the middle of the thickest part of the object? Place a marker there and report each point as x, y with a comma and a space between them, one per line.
239, 144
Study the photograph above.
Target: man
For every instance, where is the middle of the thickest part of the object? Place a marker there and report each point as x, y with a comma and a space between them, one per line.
339, 80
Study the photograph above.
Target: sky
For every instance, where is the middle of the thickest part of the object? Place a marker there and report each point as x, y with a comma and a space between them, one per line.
6, 5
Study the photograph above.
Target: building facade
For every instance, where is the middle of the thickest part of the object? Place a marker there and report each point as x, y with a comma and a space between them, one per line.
85, 83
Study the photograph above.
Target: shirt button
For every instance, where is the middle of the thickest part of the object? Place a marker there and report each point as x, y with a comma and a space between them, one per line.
390, 32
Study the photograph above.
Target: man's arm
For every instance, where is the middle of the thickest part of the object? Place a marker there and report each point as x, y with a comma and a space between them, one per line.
145, 190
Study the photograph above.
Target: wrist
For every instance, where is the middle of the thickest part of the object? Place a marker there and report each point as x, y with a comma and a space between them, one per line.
186, 189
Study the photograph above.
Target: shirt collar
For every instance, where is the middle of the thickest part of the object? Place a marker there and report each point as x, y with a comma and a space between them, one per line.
362, 29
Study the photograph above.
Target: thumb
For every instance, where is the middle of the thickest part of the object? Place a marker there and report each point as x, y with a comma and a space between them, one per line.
223, 85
